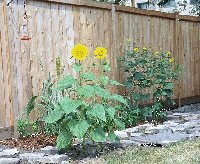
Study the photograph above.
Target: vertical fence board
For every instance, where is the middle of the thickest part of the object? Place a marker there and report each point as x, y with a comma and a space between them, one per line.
56, 27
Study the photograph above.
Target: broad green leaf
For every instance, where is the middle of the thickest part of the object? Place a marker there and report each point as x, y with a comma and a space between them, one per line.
168, 86
128, 84
110, 111
169, 92
86, 91
112, 137
136, 96
113, 82
64, 140
55, 115
119, 124
78, 128
164, 93
88, 76
102, 92
66, 83
98, 135
138, 76
104, 79
119, 98
106, 67
97, 111
77, 67
69, 105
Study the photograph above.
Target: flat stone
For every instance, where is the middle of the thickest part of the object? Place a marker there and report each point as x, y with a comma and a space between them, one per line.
177, 129
50, 159
133, 134
9, 160
151, 130
172, 117
65, 162
31, 156
121, 135
170, 123
49, 150
161, 137
133, 129
9, 152
126, 143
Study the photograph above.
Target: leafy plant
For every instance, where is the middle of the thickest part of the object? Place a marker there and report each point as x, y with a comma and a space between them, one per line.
150, 80
82, 107
88, 110
25, 128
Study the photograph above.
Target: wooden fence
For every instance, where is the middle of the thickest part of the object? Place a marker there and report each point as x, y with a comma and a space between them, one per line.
55, 26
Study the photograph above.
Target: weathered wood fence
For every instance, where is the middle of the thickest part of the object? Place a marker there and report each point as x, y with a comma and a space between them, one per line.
55, 26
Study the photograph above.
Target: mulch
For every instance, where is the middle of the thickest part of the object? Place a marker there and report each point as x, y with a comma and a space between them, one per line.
31, 142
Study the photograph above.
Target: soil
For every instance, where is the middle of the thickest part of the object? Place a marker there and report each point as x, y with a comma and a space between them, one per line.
31, 142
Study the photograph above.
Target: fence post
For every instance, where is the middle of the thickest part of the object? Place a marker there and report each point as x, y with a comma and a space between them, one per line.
114, 40
176, 51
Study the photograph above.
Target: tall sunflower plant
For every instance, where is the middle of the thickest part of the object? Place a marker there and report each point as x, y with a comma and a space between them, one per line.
88, 110
150, 80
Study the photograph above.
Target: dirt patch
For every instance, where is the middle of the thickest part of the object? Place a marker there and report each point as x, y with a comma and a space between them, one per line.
31, 142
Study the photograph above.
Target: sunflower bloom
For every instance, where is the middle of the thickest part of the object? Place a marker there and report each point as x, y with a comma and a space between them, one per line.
168, 53
171, 60
136, 49
79, 51
100, 52
144, 49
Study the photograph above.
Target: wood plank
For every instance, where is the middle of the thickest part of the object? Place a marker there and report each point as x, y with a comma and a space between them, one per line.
125, 9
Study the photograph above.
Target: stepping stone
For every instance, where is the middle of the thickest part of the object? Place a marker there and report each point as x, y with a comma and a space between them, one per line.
160, 138
9, 153
49, 150
9, 160
31, 156
122, 135
50, 159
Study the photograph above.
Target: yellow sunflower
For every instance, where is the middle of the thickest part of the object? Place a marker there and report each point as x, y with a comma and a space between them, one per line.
168, 53
79, 51
144, 49
136, 49
100, 52
171, 60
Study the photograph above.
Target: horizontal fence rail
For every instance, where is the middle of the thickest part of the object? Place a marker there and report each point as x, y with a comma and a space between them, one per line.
55, 26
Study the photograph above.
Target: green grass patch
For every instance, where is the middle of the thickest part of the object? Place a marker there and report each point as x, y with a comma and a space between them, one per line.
185, 152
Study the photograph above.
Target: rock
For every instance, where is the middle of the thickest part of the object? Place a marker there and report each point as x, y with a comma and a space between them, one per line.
170, 123
126, 143
178, 129
133, 134
9, 153
122, 135
172, 117
9, 160
49, 150
65, 162
133, 129
151, 130
31, 157
160, 138
50, 159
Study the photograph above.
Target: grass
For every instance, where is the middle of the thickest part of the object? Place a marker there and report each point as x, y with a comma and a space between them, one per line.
185, 152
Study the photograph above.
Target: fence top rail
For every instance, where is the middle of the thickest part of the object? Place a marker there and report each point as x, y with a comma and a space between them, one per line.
108, 6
